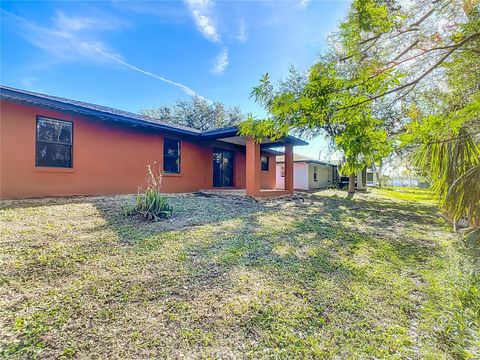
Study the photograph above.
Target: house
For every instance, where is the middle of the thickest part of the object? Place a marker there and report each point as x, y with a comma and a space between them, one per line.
52, 146
309, 174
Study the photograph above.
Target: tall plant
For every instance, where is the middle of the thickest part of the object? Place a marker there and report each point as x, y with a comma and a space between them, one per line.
151, 204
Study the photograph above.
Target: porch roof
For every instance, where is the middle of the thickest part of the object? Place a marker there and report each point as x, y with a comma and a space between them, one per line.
230, 134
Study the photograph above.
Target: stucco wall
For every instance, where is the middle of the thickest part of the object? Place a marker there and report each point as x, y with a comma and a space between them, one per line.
322, 176
303, 176
300, 176
268, 178
107, 158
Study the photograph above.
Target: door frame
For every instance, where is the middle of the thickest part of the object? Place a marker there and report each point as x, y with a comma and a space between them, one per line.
233, 168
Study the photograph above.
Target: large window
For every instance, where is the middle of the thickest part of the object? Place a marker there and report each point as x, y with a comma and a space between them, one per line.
171, 156
264, 161
54, 143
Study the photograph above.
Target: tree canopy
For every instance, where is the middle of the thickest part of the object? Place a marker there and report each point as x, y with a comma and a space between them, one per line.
197, 113
397, 76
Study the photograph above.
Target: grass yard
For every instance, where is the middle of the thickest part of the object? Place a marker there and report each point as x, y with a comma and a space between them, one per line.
379, 275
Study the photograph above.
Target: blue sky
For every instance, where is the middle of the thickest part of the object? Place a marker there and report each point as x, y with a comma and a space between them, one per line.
134, 55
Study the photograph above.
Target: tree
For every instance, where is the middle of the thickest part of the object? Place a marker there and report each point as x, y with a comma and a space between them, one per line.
444, 134
197, 113
321, 102
387, 62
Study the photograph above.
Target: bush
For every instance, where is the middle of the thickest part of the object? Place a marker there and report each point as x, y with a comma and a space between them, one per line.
150, 203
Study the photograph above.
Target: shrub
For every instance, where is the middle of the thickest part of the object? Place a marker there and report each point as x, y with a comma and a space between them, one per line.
150, 203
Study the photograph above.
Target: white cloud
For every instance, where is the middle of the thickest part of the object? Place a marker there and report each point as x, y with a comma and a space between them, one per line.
77, 23
202, 13
242, 31
304, 3
73, 39
221, 62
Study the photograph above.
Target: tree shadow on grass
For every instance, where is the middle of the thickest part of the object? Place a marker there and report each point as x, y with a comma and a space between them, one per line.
176, 269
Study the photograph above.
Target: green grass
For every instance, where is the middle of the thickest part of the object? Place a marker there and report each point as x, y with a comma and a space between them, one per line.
405, 193
379, 275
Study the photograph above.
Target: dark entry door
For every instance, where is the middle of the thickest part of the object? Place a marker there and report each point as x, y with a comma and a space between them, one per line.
222, 168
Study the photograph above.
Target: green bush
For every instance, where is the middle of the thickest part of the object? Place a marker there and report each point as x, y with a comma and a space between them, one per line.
150, 203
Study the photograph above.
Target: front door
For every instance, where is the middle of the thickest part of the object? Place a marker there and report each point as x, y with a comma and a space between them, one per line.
222, 168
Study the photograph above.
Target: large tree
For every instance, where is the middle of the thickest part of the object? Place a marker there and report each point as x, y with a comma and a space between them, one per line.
444, 132
197, 113
386, 56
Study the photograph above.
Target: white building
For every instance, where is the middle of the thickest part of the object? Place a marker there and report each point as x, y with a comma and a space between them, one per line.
308, 174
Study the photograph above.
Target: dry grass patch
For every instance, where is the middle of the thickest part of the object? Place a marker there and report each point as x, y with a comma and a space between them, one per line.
332, 276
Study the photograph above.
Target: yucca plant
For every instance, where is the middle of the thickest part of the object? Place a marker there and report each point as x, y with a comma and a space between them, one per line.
150, 203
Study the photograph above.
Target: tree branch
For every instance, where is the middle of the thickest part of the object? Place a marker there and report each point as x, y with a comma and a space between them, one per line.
452, 49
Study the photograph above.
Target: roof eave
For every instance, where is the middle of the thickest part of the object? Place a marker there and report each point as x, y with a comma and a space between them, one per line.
61, 106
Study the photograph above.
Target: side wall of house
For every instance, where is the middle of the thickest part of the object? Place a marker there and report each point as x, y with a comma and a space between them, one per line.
300, 176
107, 158
323, 174
280, 180
268, 178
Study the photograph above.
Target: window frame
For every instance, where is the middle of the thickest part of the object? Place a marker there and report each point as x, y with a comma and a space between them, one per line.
282, 171
37, 119
315, 173
172, 156
371, 175
263, 163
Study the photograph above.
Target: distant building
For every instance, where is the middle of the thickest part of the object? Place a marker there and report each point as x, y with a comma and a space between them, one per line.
405, 182
308, 173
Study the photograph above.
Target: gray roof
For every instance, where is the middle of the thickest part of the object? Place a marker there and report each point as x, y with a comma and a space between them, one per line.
115, 115
56, 102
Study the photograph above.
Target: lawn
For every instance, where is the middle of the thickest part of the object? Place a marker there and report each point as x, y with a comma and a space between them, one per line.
373, 276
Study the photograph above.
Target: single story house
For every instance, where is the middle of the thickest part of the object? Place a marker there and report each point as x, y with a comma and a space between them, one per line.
52, 146
309, 174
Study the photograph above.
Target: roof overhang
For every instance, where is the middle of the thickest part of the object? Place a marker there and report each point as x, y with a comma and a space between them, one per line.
32, 100
227, 134
231, 135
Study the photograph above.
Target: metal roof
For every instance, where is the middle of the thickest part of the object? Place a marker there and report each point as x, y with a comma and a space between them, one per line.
115, 115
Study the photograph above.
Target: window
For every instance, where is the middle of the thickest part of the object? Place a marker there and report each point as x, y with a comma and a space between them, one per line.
370, 177
171, 156
53, 143
282, 171
315, 173
264, 161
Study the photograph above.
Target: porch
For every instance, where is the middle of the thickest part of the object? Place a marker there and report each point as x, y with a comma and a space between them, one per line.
243, 192
253, 163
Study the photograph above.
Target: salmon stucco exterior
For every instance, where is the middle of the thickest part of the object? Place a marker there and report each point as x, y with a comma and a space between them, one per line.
52, 146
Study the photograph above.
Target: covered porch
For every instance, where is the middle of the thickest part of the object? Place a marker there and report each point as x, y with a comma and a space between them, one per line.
254, 165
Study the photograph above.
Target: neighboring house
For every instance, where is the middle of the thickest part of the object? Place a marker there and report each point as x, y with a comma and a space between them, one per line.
51, 146
309, 174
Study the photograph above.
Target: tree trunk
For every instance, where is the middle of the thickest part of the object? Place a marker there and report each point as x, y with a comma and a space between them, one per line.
351, 184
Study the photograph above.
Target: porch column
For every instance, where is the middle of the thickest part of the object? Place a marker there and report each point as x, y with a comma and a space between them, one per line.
252, 167
288, 167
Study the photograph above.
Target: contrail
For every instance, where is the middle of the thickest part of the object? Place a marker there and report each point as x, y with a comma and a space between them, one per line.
68, 39
185, 88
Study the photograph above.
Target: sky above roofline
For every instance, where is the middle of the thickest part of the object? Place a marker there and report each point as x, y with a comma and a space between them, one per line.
133, 55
